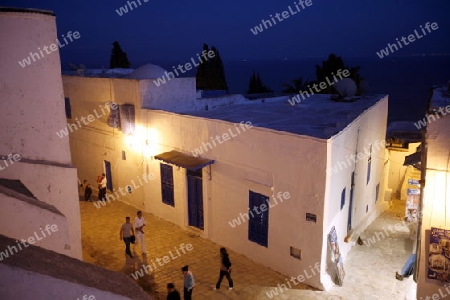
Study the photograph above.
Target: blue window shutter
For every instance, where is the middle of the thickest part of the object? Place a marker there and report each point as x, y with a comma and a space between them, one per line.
258, 225
167, 184
127, 118
343, 198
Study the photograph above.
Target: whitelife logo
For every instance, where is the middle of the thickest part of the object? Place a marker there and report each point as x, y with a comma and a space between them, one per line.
91, 118
86, 297
263, 207
48, 228
322, 85
12, 158
285, 14
110, 197
53, 47
282, 287
199, 151
341, 165
188, 66
411, 38
165, 259
427, 119
124, 9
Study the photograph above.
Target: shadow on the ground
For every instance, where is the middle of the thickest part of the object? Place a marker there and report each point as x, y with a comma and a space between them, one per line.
144, 280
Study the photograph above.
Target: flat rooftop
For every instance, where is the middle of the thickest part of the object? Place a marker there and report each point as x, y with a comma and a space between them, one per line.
98, 73
440, 97
316, 116
26, 10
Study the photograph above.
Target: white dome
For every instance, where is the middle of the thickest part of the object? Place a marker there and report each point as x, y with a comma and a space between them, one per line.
148, 71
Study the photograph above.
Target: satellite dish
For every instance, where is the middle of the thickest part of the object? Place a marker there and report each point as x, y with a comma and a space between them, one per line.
73, 67
345, 87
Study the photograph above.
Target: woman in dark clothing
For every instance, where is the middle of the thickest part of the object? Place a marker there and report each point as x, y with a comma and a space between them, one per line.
225, 269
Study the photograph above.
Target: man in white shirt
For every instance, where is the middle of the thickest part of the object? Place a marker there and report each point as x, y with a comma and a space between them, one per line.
139, 224
102, 188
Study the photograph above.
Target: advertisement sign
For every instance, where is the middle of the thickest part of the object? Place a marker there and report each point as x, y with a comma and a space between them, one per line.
412, 204
336, 256
439, 255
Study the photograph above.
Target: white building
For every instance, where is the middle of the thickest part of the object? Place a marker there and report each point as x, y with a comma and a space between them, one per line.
41, 187
40, 232
435, 197
268, 152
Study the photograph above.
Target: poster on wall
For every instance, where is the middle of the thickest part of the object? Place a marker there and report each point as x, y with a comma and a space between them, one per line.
413, 182
412, 204
439, 255
336, 256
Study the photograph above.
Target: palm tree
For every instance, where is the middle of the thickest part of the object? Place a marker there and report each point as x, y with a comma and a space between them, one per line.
296, 86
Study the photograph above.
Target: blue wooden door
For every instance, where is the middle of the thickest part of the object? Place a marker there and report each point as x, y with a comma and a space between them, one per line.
109, 185
195, 198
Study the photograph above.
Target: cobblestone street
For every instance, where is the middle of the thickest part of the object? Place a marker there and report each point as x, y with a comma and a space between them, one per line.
369, 270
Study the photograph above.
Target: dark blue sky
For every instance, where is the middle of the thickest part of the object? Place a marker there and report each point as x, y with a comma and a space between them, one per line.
175, 30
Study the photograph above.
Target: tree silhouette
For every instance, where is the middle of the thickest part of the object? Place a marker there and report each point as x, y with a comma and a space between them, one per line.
118, 58
256, 86
332, 65
210, 73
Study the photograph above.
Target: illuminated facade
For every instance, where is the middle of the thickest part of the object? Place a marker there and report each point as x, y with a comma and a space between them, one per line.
436, 197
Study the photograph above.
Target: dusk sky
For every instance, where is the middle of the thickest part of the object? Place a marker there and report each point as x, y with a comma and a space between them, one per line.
176, 30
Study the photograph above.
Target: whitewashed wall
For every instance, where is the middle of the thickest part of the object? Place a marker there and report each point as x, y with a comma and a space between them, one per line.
372, 130
43, 287
31, 98
34, 220
174, 95
254, 160
32, 109
96, 142
436, 199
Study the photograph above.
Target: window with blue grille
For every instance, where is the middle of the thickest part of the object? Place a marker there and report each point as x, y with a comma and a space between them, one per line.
343, 198
167, 184
68, 108
258, 224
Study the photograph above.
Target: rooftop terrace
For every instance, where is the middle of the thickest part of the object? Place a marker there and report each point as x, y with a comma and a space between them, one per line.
316, 116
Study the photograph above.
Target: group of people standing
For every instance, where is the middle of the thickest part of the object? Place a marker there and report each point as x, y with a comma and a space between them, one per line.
87, 190
134, 233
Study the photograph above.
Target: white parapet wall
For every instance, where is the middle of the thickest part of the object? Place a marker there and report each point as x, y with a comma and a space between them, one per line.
32, 110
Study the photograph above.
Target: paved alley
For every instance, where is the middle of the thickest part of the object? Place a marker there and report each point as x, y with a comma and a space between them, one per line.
369, 269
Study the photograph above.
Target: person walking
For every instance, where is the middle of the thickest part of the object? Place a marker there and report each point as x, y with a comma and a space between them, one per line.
139, 224
172, 293
102, 188
126, 231
189, 283
87, 193
225, 269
